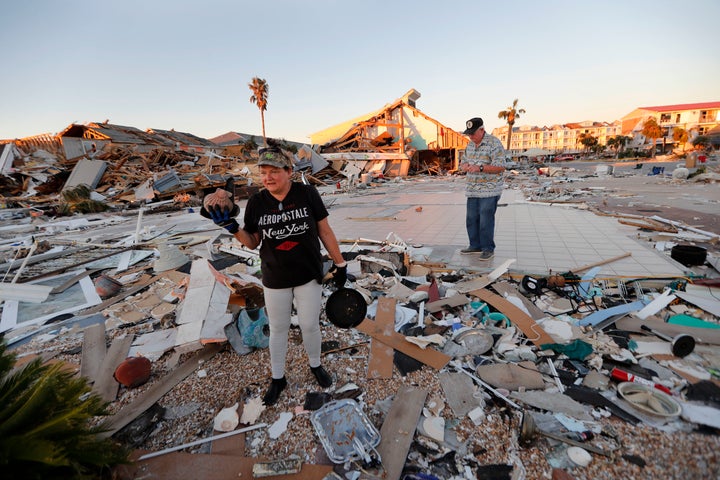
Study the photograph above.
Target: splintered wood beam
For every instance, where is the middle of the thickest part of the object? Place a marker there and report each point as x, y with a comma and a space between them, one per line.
157, 390
428, 356
105, 384
380, 364
522, 320
93, 351
398, 430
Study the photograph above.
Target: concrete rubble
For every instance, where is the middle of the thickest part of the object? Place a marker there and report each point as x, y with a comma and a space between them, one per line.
457, 372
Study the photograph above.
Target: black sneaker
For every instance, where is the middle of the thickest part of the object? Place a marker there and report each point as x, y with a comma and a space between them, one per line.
323, 377
470, 251
486, 255
273, 393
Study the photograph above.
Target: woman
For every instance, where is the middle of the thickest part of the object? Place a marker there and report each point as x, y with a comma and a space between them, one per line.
288, 220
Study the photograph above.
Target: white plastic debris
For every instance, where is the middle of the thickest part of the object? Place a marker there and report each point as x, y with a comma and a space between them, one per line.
252, 410
227, 419
277, 428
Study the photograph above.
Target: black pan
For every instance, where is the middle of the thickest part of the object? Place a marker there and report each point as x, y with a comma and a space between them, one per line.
346, 308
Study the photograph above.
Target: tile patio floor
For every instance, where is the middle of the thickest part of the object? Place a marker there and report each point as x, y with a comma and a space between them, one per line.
541, 238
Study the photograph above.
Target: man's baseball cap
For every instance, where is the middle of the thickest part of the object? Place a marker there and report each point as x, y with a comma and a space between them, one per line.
472, 125
274, 157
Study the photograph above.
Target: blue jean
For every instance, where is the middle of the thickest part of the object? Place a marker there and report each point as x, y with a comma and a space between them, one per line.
480, 222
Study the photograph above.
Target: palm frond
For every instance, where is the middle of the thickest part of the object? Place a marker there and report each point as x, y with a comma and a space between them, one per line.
46, 424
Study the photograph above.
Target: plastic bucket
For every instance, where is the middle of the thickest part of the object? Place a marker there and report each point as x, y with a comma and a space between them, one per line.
106, 286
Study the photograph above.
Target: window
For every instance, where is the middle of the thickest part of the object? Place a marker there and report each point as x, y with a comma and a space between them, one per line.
677, 118
665, 117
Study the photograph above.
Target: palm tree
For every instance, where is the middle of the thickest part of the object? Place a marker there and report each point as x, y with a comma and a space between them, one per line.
588, 141
652, 130
701, 142
46, 428
617, 143
248, 146
510, 114
260, 90
680, 135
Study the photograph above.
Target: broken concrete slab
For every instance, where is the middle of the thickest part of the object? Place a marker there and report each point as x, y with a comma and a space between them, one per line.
523, 375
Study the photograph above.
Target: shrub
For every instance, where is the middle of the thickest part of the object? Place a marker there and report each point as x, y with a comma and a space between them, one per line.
46, 424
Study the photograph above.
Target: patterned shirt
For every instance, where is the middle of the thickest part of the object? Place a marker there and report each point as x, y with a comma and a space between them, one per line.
489, 152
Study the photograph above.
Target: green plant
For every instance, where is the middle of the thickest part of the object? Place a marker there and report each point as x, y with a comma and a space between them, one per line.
653, 131
510, 114
78, 199
260, 90
46, 424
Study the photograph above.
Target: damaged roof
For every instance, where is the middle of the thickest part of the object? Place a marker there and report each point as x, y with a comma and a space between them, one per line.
358, 134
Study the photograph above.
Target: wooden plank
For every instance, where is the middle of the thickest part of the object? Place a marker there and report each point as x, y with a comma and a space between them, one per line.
217, 316
205, 299
105, 384
601, 262
93, 351
122, 295
450, 302
505, 289
217, 467
524, 322
398, 430
428, 356
157, 390
380, 364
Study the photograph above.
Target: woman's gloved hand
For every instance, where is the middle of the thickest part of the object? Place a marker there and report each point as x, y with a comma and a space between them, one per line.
339, 275
222, 218
220, 208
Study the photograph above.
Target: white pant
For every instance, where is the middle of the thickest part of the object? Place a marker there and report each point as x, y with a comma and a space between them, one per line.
279, 304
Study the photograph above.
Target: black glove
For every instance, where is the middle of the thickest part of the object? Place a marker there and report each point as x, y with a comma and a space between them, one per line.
339, 275
223, 218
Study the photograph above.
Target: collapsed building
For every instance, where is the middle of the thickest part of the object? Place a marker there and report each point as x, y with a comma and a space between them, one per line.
394, 140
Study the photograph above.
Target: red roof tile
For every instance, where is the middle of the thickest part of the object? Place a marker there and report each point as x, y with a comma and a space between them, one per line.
684, 106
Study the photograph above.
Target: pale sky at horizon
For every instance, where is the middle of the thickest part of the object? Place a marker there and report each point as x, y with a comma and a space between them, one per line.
186, 65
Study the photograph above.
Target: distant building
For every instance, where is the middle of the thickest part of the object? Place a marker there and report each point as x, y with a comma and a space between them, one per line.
84, 139
695, 118
236, 138
564, 138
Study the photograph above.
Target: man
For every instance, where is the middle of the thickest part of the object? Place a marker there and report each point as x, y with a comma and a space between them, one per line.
483, 164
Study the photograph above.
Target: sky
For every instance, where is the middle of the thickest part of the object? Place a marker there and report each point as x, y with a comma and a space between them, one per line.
186, 65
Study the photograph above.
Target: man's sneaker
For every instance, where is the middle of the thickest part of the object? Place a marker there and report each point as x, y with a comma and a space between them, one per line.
486, 255
323, 378
273, 394
470, 251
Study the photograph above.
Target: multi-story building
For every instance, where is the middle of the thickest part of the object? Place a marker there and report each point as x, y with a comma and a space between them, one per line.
695, 118
563, 138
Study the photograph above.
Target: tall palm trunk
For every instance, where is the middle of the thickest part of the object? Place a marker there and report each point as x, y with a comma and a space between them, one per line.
262, 120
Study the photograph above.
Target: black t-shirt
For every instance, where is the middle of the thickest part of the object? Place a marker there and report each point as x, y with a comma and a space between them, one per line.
290, 245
